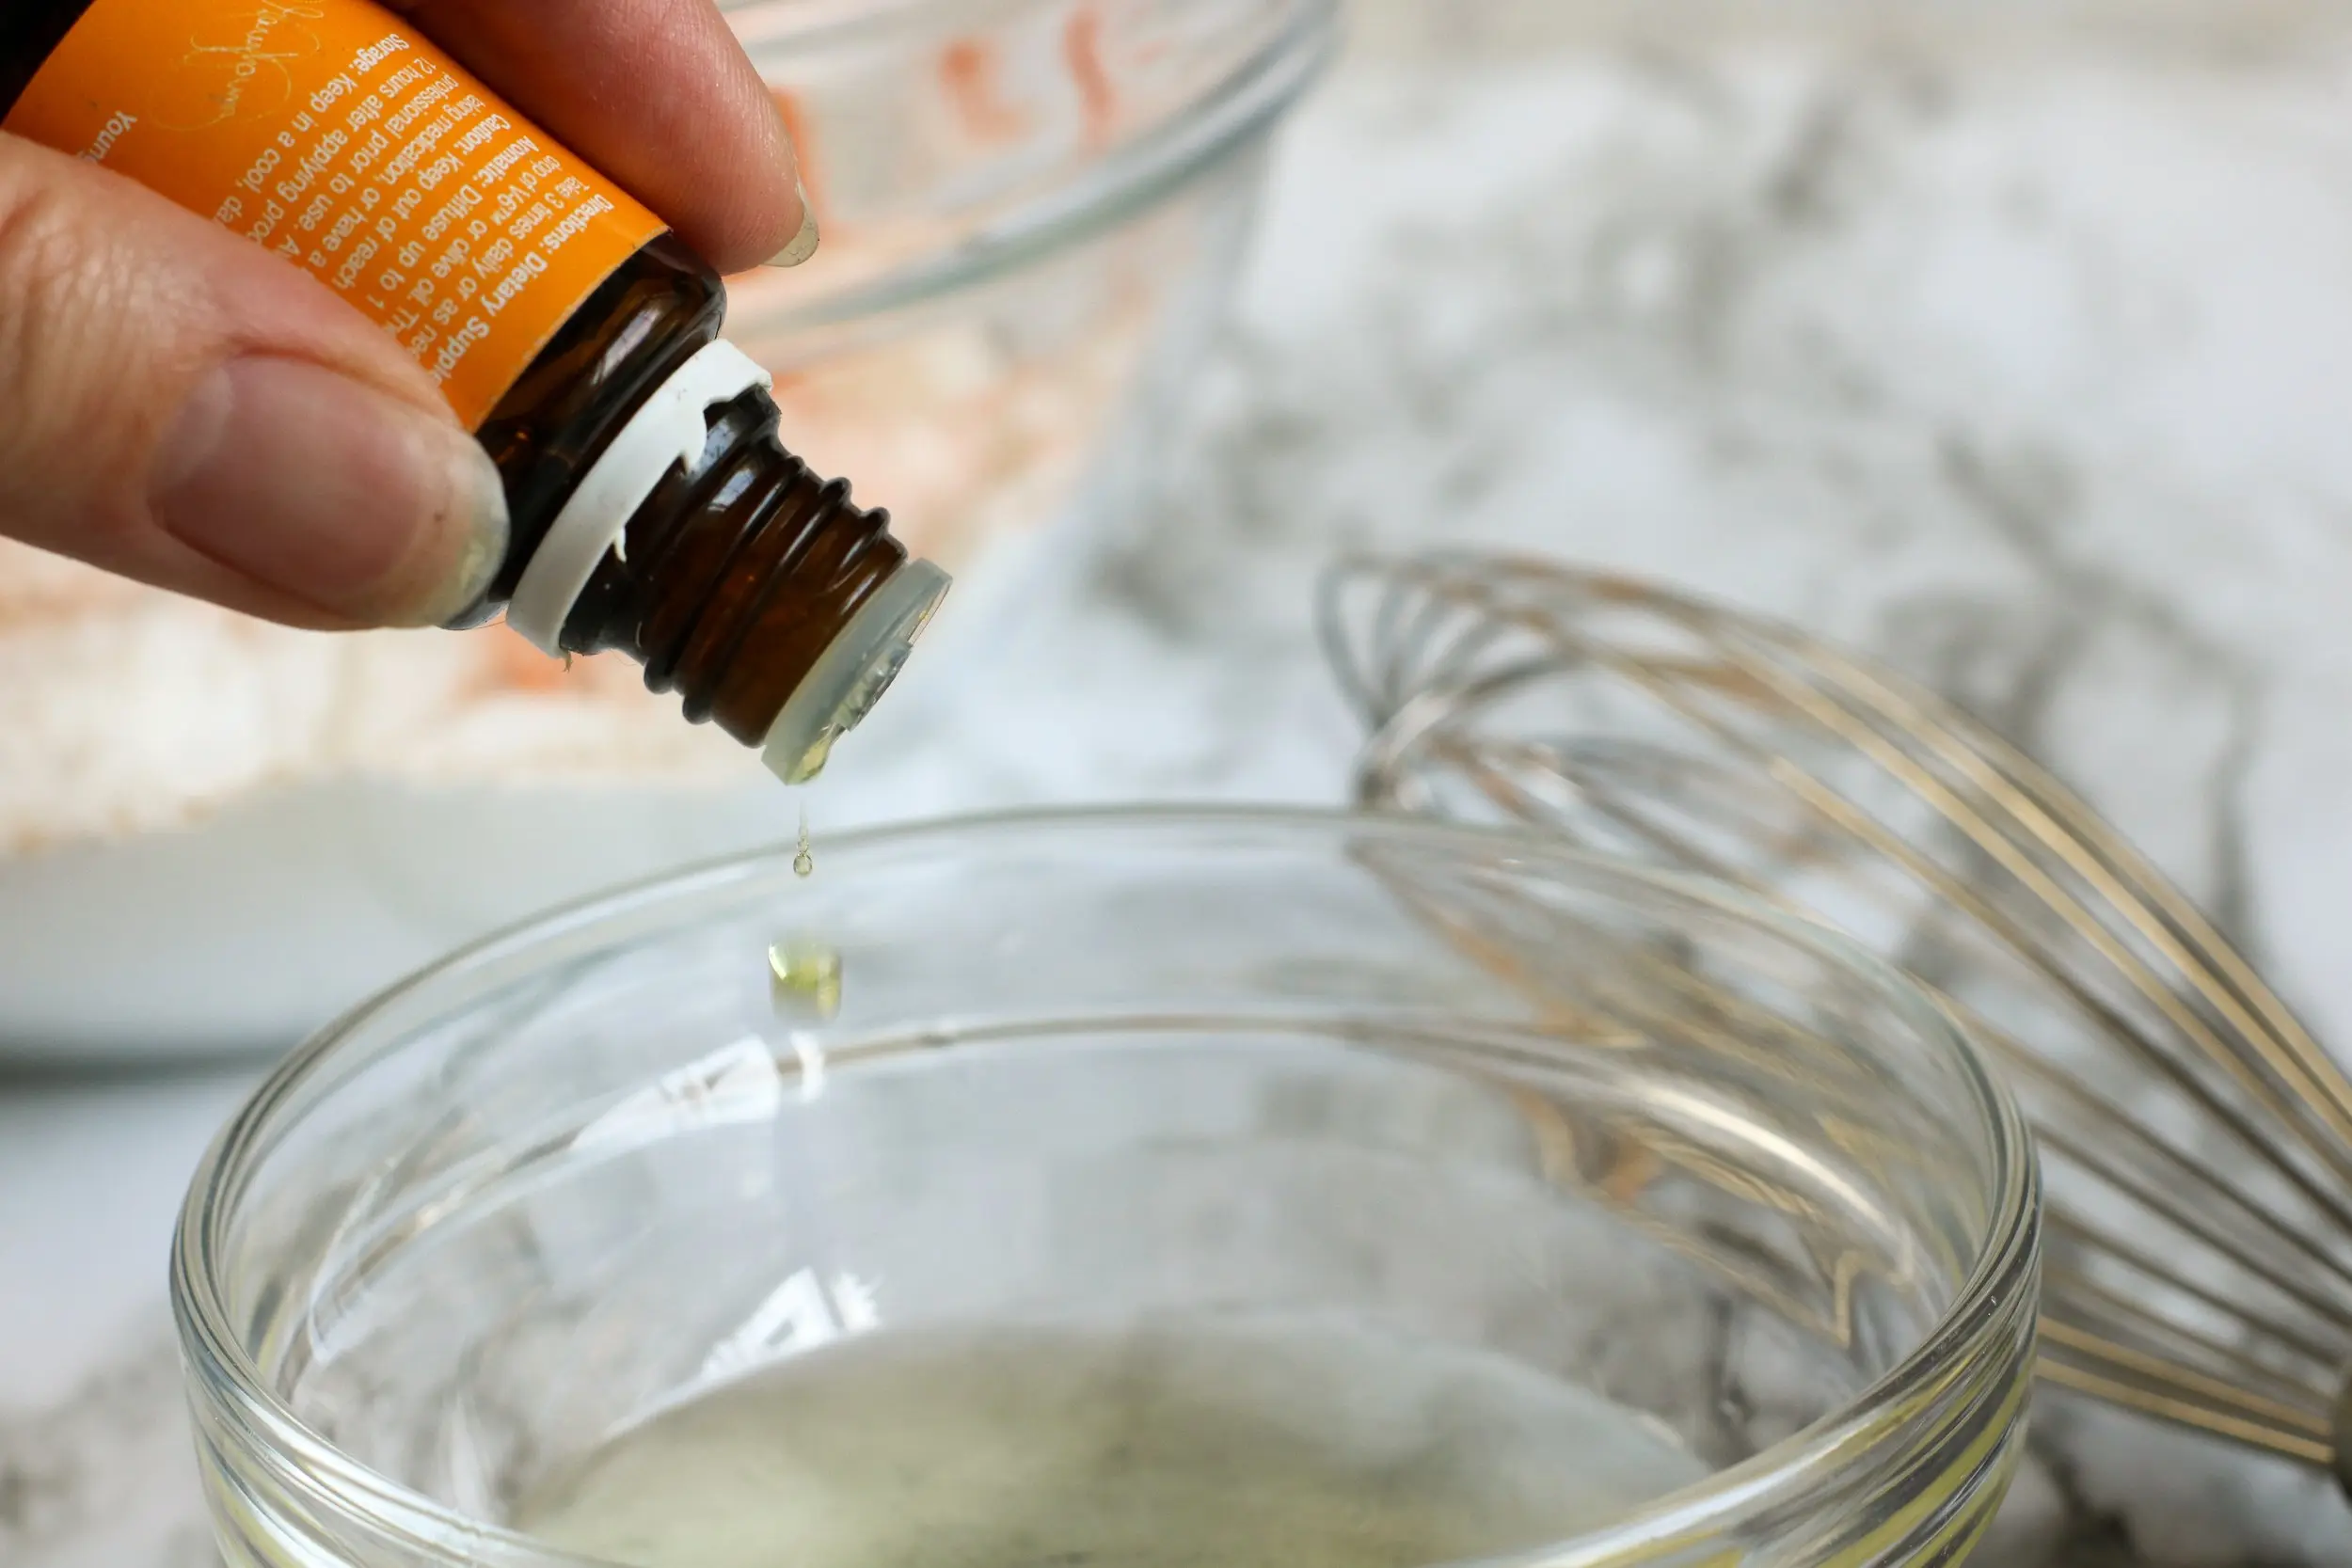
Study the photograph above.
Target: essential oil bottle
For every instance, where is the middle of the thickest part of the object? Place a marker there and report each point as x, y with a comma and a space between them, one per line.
655, 512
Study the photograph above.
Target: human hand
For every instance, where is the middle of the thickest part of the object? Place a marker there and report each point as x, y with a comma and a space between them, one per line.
180, 407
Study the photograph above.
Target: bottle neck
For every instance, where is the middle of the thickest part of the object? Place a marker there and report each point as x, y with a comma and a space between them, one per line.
758, 591
669, 429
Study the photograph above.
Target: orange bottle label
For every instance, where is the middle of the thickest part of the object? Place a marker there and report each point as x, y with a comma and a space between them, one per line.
331, 132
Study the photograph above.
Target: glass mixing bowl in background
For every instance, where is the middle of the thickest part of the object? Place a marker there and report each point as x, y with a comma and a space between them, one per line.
1031, 213
1582, 1131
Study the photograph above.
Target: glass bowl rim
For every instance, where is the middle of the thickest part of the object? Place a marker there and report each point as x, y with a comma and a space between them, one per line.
1235, 112
1994, 1295
793, 21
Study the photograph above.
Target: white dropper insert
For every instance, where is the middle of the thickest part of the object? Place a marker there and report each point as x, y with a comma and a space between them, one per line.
852, 673
668, 431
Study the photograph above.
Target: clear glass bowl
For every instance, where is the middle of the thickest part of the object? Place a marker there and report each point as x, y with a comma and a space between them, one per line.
1611, 1130
1032, 210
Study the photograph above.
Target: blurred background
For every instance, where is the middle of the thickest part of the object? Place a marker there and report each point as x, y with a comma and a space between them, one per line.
2009, 341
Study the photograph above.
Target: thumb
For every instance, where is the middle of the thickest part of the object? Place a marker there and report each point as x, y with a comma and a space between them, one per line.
180, 407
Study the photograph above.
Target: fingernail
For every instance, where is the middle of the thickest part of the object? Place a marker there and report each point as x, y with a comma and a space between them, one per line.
804, 243
323, 488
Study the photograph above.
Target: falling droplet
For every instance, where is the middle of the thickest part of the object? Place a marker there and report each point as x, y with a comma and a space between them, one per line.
806, 977
804, 862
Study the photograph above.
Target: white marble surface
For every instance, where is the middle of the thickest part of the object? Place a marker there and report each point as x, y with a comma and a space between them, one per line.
2029, 369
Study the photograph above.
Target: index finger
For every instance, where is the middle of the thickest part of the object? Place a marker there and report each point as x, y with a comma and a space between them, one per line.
656, 93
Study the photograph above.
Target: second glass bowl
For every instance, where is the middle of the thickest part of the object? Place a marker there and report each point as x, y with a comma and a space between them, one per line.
1032, 210
1732, 1213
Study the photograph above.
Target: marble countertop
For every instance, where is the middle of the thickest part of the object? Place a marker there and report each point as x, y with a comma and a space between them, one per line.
2026, 367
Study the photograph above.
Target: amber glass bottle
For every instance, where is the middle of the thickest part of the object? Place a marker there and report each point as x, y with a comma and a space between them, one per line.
656, 512
749, 584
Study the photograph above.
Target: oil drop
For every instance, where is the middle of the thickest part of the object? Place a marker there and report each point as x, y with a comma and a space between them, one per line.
1308, 1441
805, 977
804, 858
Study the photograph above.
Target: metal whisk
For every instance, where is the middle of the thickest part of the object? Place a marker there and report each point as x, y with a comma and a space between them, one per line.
2197, 1140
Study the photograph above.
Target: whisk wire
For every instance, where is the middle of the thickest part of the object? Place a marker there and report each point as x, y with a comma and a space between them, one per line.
2164, 1206
2137, 1380
2219, 1302
1575, 651
2122, 880
2123, 1135
2069, 828
2060, 1279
